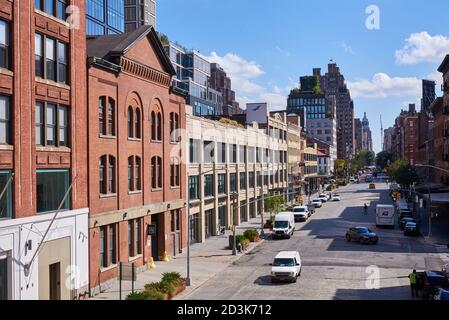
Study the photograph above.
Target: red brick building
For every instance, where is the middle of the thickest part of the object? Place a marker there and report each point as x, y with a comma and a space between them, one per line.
136, 176
441, 129
405, 137
43, 145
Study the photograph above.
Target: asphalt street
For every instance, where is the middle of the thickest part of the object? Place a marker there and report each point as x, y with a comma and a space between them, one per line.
333, 269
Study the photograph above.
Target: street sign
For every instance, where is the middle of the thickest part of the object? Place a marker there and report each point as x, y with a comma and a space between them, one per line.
152, 230
128, 271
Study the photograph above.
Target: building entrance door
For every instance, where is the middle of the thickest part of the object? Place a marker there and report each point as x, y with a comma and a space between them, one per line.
55, 281
4, 287
155, 240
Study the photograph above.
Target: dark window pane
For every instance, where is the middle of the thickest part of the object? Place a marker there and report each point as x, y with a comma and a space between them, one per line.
51, 187
6, 200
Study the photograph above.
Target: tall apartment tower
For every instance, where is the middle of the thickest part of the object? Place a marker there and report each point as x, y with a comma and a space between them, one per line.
139, 13
428, 94
105, 17
334, 86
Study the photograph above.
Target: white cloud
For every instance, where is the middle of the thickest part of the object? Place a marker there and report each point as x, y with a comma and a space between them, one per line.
283, 52
383, 86
422, 47
437, 77
241, 71
276, 101
243, 74
346, 47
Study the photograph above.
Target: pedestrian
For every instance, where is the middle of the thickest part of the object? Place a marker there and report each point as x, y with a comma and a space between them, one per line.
366, 210
413, 283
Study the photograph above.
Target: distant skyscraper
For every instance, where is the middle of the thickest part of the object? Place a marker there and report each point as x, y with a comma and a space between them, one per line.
222, 83
138, 13
428, 94
358, 135
367, 139
105, 17
334, 86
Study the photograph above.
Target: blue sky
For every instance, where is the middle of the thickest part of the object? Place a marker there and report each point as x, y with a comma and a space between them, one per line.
265, 45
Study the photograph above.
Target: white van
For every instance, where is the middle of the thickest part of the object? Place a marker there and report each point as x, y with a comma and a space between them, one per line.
286, 266
284, 225
385, 215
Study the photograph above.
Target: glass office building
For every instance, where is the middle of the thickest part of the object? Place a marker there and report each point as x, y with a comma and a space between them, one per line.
193, 76
105, 17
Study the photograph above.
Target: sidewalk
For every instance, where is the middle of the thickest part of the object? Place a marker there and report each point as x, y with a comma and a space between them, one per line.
206, 260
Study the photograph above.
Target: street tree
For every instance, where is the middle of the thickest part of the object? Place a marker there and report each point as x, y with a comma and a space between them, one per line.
384, 159
404, 173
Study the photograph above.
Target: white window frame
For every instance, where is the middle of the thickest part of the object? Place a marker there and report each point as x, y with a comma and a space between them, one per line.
7, 256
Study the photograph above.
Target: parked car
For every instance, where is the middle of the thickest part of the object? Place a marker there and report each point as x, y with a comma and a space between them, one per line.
335, 197
405, 213
301, 213
286, 266
317, 203
311, 208
404, 221
323, 197
284, 225
430, 282
411, 229
362, 235
352, 180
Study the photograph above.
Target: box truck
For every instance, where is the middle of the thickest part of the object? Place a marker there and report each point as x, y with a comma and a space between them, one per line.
385, 215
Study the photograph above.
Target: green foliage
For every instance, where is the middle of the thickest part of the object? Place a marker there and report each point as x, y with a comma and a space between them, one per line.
340, 167
164, 39
251, 234
310, 83
404, 173
239, 239
155, 294
138, 296
274, 204
171, 277
384, 159
361, 160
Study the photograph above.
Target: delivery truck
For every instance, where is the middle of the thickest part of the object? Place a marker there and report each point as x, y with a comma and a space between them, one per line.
385, 215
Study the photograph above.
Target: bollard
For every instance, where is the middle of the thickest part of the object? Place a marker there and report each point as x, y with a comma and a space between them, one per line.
165, 257
152, 264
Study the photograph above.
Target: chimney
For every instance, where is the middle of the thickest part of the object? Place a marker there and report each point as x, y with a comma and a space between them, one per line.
412, 108
317, 72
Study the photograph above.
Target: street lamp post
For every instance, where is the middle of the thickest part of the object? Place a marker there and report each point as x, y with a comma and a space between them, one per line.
234, 211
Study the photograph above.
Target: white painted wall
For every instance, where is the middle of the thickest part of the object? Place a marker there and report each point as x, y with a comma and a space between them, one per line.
15, 233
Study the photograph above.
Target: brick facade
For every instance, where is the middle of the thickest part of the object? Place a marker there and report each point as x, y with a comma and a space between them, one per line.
142, 82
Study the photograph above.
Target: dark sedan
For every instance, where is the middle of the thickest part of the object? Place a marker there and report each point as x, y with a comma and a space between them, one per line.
362, 235
411, 229
404, 221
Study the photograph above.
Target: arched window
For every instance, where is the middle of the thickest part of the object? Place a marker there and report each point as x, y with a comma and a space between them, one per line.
159, 126
156, 173
153, 125
174, 172
159, 172
101, 115
153, 173
102, 175
174, 127
111, 117
130, 174
137, 124
130, 122
111, 175
138, 174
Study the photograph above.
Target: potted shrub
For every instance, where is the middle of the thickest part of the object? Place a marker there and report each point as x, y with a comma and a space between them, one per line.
252, 235
138, 296
245, 244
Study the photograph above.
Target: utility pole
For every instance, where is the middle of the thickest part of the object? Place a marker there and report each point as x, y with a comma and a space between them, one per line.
429, 204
